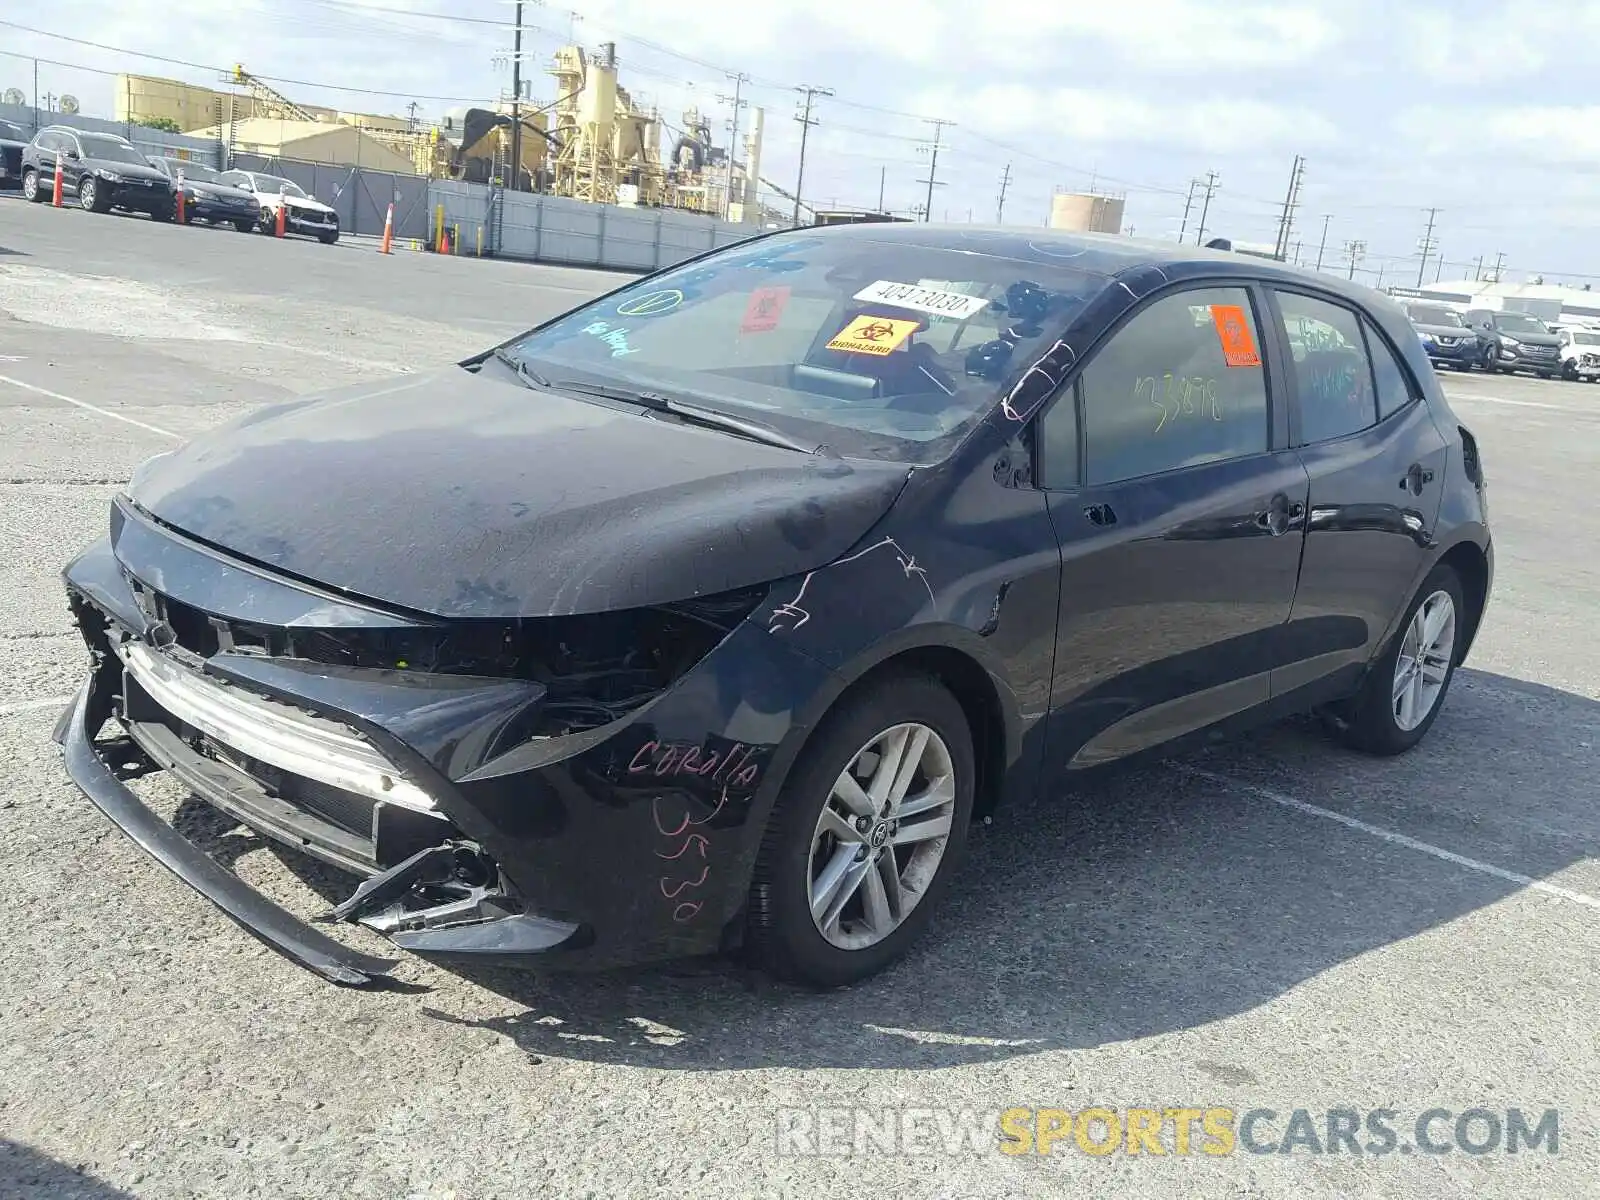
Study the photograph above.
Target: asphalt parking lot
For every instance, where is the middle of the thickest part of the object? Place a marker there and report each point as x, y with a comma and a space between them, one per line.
1278, 924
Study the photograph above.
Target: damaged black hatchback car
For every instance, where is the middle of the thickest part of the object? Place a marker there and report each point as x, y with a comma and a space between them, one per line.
712, 613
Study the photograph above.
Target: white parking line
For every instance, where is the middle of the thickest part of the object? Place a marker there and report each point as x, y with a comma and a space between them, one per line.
1389, 835
84, 404
1566, 408
27, 706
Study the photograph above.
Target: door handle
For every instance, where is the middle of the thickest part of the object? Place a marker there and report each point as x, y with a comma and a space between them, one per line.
1277, 515
1100, 514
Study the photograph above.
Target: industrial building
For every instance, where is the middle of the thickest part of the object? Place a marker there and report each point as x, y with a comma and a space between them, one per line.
141, 98
310, 141
1086, 212
1548, 302
595, 143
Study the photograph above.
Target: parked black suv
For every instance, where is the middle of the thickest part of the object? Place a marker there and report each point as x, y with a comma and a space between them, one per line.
1521, 342
12, 141
103, 171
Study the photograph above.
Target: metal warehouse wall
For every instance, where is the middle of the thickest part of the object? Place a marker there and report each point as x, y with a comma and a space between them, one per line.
149, 141
556, 229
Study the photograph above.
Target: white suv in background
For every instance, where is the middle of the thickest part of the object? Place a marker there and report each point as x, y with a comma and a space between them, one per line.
302, 213
1580, 352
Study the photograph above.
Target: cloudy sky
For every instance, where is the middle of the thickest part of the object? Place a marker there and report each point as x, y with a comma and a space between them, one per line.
1397, 107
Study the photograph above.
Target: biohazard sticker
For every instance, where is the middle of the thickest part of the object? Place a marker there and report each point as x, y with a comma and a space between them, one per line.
1233, 331
872, 335
765, 310
939, 303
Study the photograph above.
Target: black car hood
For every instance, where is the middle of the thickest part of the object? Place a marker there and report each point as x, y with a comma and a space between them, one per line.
459, 494
127, 170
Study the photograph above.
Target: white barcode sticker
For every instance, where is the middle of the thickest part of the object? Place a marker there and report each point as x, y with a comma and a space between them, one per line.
923, 299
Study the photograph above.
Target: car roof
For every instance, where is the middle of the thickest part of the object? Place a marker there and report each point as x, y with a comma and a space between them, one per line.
1109, 255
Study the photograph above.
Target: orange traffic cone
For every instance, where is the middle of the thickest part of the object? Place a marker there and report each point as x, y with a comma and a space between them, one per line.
388, 231
283, 214
57, 199
444, 242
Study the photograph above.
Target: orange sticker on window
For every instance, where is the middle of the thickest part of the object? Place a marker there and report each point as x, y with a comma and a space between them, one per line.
765, 310
1233, 331
872, 335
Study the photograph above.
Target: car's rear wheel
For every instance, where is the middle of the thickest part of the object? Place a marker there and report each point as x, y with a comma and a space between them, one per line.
1407, 685
30, 187
865, 836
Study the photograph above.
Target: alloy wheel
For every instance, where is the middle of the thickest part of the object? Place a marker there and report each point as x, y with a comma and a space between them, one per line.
86, 196
30, 185
1423, 664
881, 836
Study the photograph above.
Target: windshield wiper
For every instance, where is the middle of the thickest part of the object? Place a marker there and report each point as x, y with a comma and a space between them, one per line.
524, 372
689, 413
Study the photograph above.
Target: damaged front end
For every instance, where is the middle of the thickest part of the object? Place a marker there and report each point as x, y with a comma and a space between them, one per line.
438, 760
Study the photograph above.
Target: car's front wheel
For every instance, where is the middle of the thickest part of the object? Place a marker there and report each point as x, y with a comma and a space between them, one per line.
1406, 686
90, 198
30, 186
328, 239
865, 836
244, 225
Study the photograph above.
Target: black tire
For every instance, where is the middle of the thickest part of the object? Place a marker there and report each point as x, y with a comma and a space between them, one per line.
245, 226
1569, 370
781, 936
1369, 723
1546, 375
163, 214
30, 180
90, 197
328, 239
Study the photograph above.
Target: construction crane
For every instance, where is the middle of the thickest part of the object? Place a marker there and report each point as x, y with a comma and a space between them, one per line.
268, 101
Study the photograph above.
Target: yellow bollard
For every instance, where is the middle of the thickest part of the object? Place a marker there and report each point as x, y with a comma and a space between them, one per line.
455, 239
480, 241
438, 227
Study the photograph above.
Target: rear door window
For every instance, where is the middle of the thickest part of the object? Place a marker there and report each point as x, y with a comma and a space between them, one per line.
1332, 373
1180, 384
1394, 388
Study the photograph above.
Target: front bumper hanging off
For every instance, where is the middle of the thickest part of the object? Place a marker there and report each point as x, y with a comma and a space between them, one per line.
272, 924
464, 927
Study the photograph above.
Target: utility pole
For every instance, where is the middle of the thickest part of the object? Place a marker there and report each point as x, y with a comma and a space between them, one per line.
1000, 208
882, 173
1477, 269
1439, 269
1323, 245
806, 122
1183, 228
516, 104
1297, 252
739, 80
1355, 251
932, 181
1205, 206
411, 112
1291, 200
1426, 245
1498, 259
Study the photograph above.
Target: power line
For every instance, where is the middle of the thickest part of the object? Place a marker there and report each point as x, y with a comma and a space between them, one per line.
1205, 208
939, 125
1426, 245
806, 122
739, 80
1280, 248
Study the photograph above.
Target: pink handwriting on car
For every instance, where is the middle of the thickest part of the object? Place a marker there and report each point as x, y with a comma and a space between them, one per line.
663, 759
